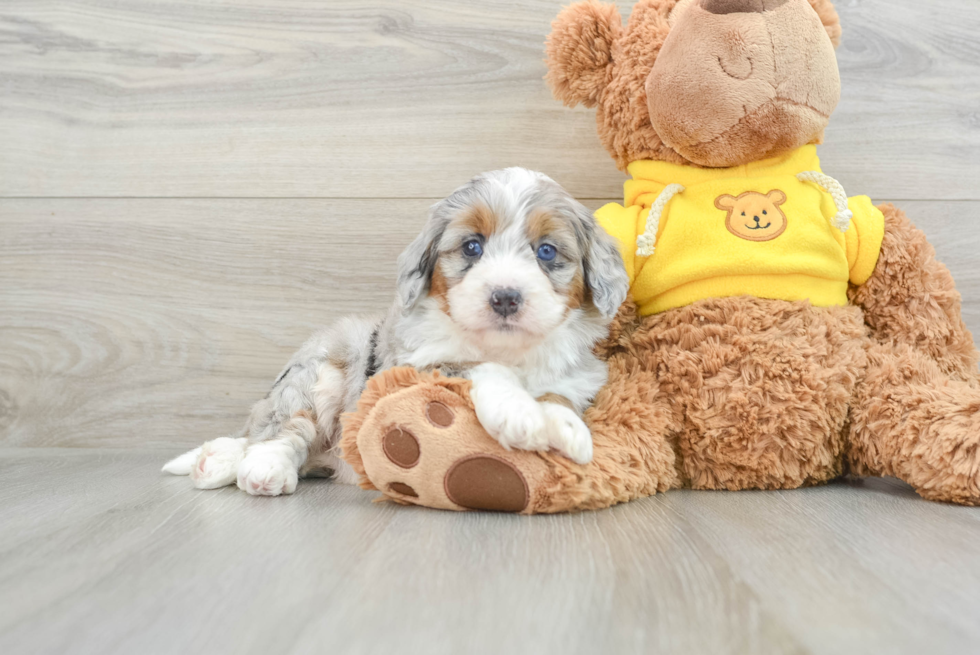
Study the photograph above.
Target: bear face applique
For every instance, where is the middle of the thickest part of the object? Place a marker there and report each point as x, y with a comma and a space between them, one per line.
754, 216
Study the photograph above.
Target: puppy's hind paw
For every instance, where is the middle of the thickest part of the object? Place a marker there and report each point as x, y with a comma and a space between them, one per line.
217, 463
567, 433
267, 472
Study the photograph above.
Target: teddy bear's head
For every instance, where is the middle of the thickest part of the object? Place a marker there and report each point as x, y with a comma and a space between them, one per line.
714, 83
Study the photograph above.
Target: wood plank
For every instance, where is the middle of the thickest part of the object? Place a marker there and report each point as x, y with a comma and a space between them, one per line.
159, 322
406, 98
907, 127
843, 543
102, 554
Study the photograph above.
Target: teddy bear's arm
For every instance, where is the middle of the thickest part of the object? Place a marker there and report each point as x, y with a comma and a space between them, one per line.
911, 299
416, 438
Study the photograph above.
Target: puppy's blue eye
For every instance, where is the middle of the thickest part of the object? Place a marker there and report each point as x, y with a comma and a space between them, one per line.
472, 248
547, 252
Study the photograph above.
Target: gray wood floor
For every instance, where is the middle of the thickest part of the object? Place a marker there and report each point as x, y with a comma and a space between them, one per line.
187, 189
102, 555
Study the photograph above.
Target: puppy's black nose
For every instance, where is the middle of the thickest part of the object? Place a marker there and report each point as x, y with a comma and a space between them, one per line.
506, 301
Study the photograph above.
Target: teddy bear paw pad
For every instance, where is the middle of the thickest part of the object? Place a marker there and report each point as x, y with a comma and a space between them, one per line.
488, 483
439, 415
401, 447
403, 489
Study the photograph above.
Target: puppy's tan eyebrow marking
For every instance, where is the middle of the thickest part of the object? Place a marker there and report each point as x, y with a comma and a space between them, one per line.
542, 223
480, 219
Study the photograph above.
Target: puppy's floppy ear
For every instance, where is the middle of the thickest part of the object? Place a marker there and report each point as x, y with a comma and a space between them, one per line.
605, 273
829, 18
580, 51
417, 262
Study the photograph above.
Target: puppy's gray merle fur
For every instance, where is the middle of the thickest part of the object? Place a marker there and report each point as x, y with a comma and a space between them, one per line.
511, 283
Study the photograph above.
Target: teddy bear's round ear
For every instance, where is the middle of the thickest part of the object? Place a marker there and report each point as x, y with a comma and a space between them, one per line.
580, 51
829, 18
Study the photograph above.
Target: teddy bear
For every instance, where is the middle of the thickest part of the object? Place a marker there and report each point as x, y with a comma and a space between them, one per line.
779, 333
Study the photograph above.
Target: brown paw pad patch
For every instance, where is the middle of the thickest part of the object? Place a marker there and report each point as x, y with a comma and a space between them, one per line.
487, 483
403, 489
439, 415
401, 447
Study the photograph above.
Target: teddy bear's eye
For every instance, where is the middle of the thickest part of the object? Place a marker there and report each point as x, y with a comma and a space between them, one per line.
743, 213
765, 213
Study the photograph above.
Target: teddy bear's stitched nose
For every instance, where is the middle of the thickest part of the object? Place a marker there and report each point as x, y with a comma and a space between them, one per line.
740, 6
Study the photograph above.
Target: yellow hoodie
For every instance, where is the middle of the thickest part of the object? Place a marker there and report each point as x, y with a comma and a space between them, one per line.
770, 229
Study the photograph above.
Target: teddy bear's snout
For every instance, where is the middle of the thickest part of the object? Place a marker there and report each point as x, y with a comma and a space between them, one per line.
733, 82
740, 6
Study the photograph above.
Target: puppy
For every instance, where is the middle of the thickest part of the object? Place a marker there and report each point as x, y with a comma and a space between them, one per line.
510, 284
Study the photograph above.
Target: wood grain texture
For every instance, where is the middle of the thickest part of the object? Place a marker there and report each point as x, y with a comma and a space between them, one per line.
153, 321
104, 555
407, 98
159, 322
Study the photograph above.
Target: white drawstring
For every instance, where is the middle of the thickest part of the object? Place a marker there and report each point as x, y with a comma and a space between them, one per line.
842, 221
647, 242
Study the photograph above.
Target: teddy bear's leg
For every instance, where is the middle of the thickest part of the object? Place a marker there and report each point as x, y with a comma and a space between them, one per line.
911, 299
912, 421
917, 411
419, 442
765, 388
632, 425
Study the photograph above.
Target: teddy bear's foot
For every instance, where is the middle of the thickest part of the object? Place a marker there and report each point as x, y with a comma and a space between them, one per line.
423, 445
913, 422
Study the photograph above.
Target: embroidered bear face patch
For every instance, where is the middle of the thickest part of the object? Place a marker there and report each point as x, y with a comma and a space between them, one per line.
754, 216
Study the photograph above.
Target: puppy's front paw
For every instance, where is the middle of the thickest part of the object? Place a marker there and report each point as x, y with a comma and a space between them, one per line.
567, 433
510, 415
267, 472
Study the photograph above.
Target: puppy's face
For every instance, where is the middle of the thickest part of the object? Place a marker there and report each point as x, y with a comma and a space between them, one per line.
509, 267
510, 257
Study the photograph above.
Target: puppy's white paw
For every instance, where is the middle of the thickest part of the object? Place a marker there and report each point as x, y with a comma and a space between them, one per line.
510, 415
267, 472
522, 427
567, 433
217, 463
